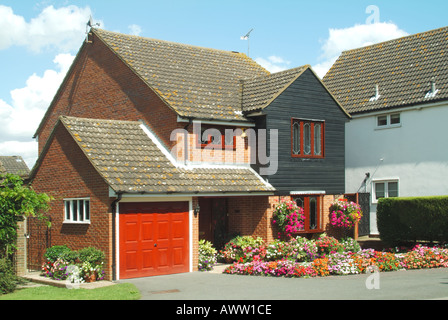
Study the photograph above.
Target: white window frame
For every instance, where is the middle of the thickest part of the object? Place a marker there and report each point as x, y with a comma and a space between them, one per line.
79, 213
389, 123
386, 188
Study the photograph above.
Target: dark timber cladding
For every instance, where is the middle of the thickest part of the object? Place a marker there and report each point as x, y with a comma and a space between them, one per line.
306, 98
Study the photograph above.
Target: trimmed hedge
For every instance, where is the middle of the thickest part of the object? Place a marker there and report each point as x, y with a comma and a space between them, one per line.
404, 220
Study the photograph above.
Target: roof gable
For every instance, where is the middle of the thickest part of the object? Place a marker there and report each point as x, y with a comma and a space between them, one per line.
402, 69
196, 82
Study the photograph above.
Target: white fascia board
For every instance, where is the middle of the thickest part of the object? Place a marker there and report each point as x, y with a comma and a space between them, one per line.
219, 123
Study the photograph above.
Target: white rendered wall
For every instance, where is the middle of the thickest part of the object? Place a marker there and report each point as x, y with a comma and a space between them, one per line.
414, 153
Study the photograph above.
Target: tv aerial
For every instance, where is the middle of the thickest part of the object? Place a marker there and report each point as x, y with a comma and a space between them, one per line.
246, 37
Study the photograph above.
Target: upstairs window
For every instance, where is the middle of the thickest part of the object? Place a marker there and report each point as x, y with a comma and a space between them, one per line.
216, 138
77, 210
388, 121
307, 138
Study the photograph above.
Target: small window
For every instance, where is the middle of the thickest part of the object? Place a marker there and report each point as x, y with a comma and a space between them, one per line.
388, 121
385, 189
307, 138
215, 138
77, 210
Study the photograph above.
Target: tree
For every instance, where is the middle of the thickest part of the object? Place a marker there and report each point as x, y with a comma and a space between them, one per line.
16, 200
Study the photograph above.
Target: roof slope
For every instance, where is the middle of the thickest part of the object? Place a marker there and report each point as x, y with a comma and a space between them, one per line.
260, 91
13, 165
129, 161
402, 68
196, 82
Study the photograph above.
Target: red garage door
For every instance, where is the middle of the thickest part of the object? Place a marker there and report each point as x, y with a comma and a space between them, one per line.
154, 239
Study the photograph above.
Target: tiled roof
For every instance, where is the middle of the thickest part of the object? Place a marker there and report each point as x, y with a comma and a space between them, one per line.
402, 69
13, 165
260, 91
194, 81
130, 161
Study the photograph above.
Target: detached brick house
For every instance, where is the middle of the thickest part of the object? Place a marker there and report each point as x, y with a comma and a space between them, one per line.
149, 146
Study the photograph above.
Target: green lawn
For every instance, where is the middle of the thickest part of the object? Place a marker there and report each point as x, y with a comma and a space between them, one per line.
123, 291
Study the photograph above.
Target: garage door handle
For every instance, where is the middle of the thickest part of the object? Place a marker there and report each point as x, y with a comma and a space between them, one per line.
155, 244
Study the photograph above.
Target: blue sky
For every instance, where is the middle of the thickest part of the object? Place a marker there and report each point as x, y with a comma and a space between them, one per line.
38, 40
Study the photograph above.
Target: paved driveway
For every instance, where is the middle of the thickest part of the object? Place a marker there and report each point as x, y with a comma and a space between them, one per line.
398, 285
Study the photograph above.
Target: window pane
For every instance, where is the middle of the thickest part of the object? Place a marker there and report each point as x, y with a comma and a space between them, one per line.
395, 118
299, 202
229, 137
81, 210
392, 189
382, 121
74, 210
313, 213
67, 210
87, 209
317, 139
307, 138
379, 190
296, 138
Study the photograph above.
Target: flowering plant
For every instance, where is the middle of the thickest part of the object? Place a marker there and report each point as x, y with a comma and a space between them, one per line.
289, 218
207, 255
345, 214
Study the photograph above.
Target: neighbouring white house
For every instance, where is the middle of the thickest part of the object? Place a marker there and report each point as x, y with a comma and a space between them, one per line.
397, 95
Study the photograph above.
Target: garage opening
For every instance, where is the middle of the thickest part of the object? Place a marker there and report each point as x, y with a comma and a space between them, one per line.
154, 239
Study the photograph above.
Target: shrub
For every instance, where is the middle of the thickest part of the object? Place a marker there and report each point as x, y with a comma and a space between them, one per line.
207, 255
55, 252
236, 248
404, 220
327, 245
350, 244
8, 280
91, 255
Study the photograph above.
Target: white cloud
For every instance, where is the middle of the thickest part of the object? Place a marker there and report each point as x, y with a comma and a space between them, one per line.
273, 63
135, 30
63, 29
19, 121
357, 36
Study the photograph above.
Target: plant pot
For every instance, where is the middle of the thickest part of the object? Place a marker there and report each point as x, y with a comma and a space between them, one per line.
90, 278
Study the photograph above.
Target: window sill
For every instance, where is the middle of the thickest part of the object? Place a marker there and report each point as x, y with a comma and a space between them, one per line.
392, 126
75, 222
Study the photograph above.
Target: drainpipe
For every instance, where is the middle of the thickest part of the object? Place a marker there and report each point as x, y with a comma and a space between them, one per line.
114, 247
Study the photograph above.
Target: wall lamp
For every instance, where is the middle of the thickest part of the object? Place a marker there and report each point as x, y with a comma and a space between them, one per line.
196, 210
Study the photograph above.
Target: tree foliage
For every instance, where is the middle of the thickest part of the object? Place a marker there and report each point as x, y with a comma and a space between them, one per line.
16, 200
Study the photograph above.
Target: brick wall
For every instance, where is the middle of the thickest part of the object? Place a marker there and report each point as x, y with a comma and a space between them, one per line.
66, 173
101, 86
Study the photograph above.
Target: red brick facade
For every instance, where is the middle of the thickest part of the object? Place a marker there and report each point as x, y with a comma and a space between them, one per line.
66, 173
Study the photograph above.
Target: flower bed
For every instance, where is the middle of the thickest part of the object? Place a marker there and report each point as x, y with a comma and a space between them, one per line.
78, 266
325, 256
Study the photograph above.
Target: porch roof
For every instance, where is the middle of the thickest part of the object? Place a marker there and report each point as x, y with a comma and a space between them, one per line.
131, 162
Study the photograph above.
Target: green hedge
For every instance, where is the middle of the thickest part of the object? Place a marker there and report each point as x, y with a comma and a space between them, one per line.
404, 220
